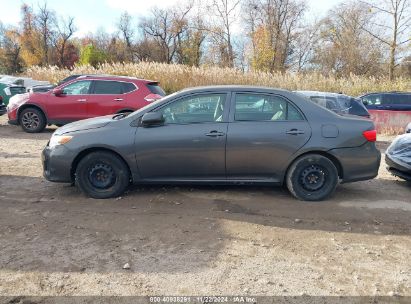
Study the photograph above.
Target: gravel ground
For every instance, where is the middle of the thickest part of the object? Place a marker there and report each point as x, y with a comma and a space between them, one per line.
197, 240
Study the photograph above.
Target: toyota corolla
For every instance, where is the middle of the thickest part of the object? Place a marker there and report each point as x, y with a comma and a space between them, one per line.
216, 135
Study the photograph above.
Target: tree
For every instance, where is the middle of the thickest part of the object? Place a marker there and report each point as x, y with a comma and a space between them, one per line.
344, 48
126, 30
65, 30
165, 28
45, 20
224, 12
90, 55
281, 20
10, 49
395, 31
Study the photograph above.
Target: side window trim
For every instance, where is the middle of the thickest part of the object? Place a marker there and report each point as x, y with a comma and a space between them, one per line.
231, 118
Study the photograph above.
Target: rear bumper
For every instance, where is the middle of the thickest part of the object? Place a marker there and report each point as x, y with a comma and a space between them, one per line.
359, 163
397, 169
57, 164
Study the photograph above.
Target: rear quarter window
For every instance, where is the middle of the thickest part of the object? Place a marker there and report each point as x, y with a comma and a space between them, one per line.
156, 89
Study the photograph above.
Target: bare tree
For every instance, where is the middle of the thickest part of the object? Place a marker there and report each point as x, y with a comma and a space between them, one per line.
64, 31
45, 19
165, 27
222, 31
393, 33
280, 22
126, 29
344, 47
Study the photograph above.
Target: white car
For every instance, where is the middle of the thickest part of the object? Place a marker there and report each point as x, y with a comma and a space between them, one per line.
22, 81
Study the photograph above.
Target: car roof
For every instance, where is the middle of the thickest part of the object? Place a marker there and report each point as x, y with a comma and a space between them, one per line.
234, 88
319, 93
114, 77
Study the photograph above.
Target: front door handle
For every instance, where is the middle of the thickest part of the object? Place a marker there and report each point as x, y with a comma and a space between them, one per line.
118, 99
215, 133
294, 132
81, 100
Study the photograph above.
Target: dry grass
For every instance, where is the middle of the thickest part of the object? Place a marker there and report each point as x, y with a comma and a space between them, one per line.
176, 77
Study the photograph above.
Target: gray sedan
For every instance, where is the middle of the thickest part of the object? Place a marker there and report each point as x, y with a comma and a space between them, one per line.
216, 135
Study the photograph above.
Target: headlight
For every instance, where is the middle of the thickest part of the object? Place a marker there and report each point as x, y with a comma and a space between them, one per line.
59, 140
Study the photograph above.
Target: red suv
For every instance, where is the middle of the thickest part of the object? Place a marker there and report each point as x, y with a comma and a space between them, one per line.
84, 97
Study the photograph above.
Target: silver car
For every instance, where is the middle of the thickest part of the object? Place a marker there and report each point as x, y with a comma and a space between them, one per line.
216, 135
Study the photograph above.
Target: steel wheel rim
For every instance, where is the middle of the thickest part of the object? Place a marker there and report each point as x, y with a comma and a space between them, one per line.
30, 120
313, 178
101, 176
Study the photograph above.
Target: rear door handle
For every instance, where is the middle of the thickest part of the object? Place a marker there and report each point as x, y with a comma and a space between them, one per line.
215, 134
81, 100
294, 132
118, 99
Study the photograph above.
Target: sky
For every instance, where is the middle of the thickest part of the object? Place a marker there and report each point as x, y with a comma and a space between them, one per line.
90, 15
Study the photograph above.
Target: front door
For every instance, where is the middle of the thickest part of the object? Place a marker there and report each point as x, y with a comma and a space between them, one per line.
190, 145
71, 105
263, 134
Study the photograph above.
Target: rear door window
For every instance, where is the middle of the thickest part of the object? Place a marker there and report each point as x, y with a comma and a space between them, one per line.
108, 87
259, 107
156, 89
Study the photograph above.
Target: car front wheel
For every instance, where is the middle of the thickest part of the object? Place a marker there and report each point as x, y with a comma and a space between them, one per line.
312, 177
102, 175
32, 120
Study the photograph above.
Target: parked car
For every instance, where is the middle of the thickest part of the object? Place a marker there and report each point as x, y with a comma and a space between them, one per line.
282, 140
7, 90
2, 107
338, 103
408, 128
398, 157
82, 98
22, 81
392, 101
40, 88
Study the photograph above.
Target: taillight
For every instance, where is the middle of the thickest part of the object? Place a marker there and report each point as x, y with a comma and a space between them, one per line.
370, 135
152, 97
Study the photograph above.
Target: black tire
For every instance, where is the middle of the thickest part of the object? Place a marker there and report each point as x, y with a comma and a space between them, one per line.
32, 120
312, 177
102, 175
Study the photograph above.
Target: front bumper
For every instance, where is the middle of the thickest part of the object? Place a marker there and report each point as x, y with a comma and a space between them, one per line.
359, 163
57, 163
12, 116
397, 169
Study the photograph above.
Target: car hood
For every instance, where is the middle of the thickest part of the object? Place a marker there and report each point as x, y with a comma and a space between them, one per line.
87, 124
400, 150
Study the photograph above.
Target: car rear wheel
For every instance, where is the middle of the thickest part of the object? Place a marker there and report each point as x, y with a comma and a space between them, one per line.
102, 175
32, 120
312, 177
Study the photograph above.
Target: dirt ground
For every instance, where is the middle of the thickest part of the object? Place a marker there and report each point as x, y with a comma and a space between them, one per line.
196, 240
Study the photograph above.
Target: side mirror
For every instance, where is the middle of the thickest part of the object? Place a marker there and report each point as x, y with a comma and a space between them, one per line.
58, 92
152, 119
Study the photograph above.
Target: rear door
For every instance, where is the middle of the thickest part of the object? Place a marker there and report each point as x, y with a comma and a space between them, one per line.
71, 105
107, 97
264, 133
